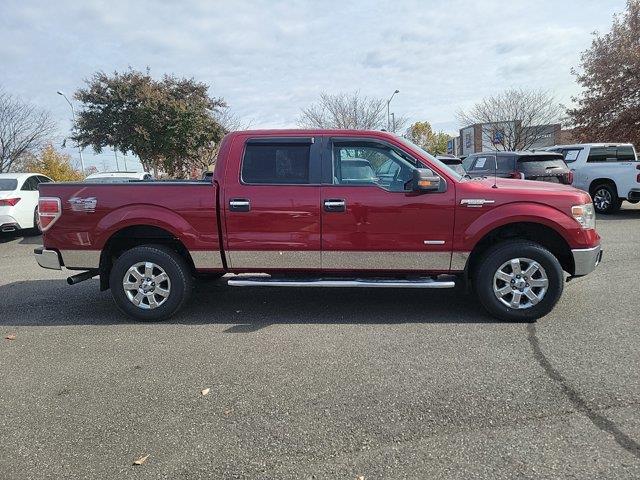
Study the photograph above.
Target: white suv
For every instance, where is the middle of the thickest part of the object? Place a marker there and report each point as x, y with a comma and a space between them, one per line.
19, 200
610, 172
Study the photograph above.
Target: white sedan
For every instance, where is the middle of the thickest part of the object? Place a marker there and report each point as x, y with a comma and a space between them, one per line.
19, 200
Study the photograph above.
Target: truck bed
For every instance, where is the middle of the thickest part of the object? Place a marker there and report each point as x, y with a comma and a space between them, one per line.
92, 213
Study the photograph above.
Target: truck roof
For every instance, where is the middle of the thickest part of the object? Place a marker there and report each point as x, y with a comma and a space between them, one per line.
314, 131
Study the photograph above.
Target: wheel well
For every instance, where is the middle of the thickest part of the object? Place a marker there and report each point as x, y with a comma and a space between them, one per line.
535, 232
600, 181
134, 236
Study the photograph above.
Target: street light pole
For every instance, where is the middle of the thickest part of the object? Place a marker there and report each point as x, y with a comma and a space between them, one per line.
388, 115
73, 114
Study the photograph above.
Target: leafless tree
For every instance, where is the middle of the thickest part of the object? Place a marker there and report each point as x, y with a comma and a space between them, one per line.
24, 129
348, 111
515, 119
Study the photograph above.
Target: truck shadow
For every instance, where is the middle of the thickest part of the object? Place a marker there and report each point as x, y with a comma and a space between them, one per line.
626, 213
27, 237
244, 310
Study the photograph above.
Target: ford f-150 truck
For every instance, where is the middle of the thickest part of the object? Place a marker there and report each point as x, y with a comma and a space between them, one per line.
322, 208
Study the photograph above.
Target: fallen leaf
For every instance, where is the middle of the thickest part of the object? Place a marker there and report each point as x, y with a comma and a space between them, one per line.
11, 336
360, 477
141, 460
205, 391
228, 411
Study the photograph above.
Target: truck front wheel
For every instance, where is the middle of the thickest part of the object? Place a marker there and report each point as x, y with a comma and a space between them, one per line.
150, 282
518, 281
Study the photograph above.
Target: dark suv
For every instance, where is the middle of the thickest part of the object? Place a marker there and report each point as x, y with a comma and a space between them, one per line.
543, 166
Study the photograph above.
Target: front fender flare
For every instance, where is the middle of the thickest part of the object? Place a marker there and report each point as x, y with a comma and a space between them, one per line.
518, 212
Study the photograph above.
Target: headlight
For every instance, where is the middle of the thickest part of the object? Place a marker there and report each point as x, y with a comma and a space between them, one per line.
585, 215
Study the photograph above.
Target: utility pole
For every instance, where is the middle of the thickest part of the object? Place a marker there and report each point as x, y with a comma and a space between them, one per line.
115, 152
388, 102
73, 114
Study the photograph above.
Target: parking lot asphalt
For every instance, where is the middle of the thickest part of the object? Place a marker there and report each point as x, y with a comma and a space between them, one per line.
312, 383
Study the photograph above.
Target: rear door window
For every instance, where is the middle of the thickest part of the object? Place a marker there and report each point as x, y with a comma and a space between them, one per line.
276, 164
602, 154
30, 184
625, 153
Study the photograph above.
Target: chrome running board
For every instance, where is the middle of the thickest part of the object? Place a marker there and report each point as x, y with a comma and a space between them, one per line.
340, 283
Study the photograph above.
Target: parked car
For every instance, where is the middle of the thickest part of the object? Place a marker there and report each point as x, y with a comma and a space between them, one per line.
19, 200
118, 177
610, 172
526, 165
453, 162
291, 204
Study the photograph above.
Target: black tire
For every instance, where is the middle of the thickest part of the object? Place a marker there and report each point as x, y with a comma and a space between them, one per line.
175, 267
502, 253
605, 198
36, 223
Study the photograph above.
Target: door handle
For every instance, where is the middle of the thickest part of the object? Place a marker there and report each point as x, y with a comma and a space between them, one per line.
335, 205
239, 205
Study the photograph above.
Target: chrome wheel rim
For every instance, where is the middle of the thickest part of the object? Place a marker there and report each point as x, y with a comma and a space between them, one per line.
602, 199
146, 285
520, 283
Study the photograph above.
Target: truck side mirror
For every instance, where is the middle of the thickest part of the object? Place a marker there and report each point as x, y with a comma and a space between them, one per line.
424, 180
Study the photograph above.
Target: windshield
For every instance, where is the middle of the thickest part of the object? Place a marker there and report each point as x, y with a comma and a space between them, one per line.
431, 158
8, 184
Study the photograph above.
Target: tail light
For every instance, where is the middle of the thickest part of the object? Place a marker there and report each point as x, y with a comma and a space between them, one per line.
8, 202
49, 210
519, 175
568, 178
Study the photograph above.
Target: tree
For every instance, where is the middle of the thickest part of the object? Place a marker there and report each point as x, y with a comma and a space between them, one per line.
53, 164
423, 135
24, 129
208, 154
348, 111
164, 122
515, 119
609, 107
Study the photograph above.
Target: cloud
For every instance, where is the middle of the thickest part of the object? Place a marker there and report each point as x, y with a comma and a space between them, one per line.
269, 58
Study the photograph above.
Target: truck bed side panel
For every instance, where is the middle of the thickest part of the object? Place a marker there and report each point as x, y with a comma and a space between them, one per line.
186, 210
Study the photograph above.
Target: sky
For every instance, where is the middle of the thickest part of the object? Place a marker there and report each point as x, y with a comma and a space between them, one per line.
270, 58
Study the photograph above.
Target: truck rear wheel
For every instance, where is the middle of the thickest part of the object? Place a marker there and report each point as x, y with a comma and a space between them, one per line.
605, 198
150, 282
518, 281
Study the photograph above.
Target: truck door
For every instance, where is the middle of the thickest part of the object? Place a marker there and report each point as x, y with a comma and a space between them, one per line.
370, 222
271, 201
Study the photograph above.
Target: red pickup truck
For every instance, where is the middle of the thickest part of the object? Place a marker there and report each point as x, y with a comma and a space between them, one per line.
322, 208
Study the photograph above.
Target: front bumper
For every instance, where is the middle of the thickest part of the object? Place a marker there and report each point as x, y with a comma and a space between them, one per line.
47, 258
586, 260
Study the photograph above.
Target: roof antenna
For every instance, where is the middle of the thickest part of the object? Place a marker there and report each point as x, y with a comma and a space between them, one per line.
495, 171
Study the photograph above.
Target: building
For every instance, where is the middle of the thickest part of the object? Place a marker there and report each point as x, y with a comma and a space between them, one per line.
483, 137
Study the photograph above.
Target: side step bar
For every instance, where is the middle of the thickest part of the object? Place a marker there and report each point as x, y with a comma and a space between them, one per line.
341, 283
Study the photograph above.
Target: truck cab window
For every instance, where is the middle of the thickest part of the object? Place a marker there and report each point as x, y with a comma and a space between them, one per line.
370, 164
276, 164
